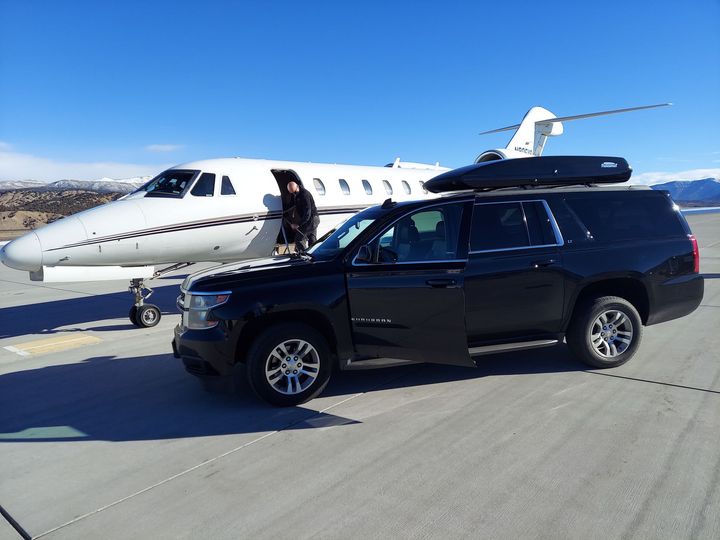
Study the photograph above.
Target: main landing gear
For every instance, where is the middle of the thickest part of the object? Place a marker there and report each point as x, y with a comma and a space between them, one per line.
142, 314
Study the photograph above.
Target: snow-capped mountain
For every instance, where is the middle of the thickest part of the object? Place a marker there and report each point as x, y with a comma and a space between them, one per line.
705, 190
101, 185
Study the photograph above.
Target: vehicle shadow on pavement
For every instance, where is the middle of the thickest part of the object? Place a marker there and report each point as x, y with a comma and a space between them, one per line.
46, 317
152, 398
133, 399
555, 359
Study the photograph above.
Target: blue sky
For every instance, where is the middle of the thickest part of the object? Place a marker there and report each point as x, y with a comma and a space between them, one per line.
119, 88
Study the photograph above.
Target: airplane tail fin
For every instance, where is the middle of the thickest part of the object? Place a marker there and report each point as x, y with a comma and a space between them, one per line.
538, 124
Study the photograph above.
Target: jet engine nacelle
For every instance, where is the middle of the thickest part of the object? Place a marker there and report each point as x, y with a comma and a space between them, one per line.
505, 153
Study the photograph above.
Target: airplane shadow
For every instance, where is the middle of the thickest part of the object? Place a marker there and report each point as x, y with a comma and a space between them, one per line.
152, 398
46, 317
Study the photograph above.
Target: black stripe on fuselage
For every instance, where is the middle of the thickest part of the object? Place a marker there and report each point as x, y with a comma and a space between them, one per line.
230, 220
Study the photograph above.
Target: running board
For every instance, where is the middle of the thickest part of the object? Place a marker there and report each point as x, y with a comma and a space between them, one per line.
505, 347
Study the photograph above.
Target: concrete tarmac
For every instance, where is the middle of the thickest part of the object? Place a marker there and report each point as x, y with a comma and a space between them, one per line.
103, 435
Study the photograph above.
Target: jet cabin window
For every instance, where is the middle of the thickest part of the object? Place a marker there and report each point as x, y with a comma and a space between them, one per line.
422, 186
367, 186
388, 187
227, 187
205, 186
169, 183
406, 187
427, 235
344, 186
319, 186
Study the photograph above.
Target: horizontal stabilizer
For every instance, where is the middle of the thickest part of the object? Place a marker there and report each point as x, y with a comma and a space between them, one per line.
581, 116
534, 171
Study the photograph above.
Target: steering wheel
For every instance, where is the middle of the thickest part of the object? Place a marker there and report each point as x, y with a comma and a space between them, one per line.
387, 255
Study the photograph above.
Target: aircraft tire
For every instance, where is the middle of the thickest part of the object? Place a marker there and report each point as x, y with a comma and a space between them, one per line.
133, 315
309, 369
148, 315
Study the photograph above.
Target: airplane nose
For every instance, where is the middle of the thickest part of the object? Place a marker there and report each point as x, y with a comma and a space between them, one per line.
23, 253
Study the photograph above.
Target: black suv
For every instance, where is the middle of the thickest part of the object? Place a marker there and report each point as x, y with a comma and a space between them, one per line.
489, 269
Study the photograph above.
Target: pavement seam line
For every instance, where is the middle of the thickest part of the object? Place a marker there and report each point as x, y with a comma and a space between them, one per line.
193, 468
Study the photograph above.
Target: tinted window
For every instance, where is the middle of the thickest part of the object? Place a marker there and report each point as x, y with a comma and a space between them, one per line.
539, 224
624, 216
172, 182
388, 187
498, 226
205, 186
367, 186
227, 187
344, 186
319, 186
427, 235
406, 187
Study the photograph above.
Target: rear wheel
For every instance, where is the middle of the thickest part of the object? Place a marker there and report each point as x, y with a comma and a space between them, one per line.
606, 332
289, 364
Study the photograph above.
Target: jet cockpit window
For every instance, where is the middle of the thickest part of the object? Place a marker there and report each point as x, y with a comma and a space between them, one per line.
344, 186
205, 186
319, 186
367, 186
226, 188
388, 187
171, 183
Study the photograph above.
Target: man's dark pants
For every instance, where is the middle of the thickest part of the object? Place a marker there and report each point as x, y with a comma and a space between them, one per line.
307, 236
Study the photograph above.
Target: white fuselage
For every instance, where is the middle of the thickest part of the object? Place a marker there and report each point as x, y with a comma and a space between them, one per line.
140, 230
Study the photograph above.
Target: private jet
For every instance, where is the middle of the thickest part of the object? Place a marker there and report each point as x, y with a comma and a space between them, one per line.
224, 210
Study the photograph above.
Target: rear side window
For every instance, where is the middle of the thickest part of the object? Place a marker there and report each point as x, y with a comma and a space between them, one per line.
226, 188
498, 226
610, 217
205, 186
539, 225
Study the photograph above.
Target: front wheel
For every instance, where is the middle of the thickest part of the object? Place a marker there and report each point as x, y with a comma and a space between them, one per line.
605, 332
289, 364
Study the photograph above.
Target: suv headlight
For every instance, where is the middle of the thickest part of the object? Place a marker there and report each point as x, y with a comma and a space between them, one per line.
197, 307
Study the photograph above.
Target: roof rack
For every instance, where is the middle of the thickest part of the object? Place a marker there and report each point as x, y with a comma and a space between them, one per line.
547, 171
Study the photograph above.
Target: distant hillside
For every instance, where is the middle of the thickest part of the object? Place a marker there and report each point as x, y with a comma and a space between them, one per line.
26, 209
693, 192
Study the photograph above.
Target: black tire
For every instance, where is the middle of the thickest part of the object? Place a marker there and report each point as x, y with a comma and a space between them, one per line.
148, 315
579, 334
133, 315
259, 357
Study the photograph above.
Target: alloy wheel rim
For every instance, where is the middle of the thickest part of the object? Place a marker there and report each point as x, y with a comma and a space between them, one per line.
611, 333
292, 366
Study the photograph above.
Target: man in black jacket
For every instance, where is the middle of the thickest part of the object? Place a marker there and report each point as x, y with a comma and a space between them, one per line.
306, 215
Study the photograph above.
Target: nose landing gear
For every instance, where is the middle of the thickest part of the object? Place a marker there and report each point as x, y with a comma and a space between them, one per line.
142, 314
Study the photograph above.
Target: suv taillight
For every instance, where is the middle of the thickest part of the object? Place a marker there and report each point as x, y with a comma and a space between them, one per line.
696, 253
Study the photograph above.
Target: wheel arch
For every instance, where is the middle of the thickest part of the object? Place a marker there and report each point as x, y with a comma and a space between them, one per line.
308, 317
631, 289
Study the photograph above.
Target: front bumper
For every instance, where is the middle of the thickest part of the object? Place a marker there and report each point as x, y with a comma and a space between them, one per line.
204, 353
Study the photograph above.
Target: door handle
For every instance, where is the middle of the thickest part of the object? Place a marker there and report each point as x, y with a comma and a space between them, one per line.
437, 283
543, 263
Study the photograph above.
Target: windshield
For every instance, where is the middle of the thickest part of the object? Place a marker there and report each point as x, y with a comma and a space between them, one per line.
171, 182
345, 234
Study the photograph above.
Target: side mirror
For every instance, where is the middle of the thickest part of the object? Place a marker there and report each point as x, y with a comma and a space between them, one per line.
364, 255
